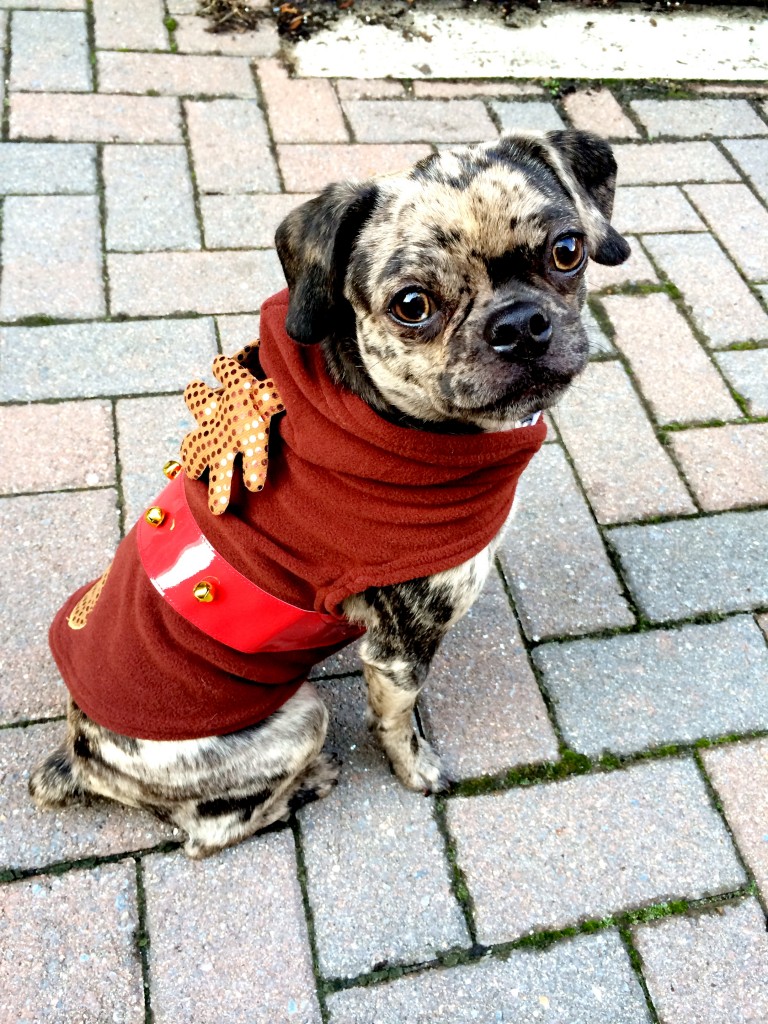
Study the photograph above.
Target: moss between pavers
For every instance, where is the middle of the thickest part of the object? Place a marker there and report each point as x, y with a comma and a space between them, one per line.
573, 763
541, 940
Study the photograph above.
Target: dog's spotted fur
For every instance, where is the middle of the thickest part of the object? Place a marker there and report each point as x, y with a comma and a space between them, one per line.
474, 228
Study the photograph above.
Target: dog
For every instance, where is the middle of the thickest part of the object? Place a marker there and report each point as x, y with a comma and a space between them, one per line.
446, 300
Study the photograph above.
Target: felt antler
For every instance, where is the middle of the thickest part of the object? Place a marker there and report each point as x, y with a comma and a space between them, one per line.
232, 419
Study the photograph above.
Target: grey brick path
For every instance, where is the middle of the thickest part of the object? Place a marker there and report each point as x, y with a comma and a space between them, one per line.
627, 693
562, 982
708, 968
603, 707
550, 855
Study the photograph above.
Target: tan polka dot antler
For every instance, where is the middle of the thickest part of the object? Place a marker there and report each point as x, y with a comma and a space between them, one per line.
233, 419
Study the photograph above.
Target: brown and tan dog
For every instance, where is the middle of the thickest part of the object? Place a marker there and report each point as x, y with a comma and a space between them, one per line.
448, 300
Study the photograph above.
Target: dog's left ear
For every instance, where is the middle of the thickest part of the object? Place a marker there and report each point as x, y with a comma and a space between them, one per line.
586, 166
314, 244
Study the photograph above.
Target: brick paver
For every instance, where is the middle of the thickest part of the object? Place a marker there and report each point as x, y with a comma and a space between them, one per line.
597, 110
95, 118
657, 163
625, 471
82, 453
708, 968
672, 370
637, 270
739, 221
175, 74
739, 773
49, 52
481, 705
550, 855
149, 198
51, 254
525, 116
237, 330
423, 121
721, 304
675, 570
526, 986
300, 111
32, 838
639, 209
668, 686
726, 467
149, 433
73, 940
158, 284
192, 36
554, 559
230, 932
310, 168
436, 90
246, 221
47, 168
383, 900
370, 89
747, 371
104, 358
137, 238
139, 27
752, 157
40, 574
230, 149
689, 118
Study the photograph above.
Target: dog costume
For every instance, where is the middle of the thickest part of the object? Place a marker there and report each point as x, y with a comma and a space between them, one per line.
205, 623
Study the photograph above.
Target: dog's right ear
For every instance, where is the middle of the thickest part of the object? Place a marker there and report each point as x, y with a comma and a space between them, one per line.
314, 244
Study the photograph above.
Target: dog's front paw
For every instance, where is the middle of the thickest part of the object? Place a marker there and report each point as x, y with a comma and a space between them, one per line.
420, 768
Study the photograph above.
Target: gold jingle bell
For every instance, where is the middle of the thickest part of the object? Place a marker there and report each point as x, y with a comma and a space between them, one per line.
154, 516
203, 591
171, 469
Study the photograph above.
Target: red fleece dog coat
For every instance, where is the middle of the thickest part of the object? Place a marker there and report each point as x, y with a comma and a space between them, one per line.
351, 501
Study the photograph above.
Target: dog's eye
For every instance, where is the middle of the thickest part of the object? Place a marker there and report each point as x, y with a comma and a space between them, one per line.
568, 252
412, 307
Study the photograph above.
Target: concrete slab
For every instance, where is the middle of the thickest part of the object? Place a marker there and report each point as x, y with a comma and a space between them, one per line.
629, 41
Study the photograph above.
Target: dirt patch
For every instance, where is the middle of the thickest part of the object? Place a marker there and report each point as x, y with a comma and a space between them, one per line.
302, 18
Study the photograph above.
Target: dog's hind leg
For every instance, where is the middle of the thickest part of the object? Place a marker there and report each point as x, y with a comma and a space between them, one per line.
219, 789
215, 824
294, 771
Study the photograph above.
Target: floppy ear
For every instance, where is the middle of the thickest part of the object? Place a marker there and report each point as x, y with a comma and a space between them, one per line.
586, 167
314, 244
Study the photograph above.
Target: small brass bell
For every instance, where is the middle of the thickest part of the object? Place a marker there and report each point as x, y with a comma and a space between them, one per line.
171, 469
154, 516
203, 591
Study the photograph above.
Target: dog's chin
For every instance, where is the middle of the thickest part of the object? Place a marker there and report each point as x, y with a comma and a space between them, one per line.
504, 403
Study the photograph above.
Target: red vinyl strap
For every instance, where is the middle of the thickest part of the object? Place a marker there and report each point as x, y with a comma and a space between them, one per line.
177, 557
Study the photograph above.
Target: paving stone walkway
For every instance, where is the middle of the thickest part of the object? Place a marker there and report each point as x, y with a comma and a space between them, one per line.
603, 858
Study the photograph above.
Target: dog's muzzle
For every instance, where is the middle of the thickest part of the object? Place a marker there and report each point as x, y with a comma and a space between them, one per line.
521, 331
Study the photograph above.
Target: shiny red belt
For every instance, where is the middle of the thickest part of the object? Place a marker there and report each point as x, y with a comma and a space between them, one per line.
207, 591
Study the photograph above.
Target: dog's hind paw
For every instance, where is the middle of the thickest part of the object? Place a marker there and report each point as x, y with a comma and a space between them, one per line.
317, 781
52, 783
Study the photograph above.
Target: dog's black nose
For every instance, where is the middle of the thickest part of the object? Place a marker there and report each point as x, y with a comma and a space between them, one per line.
520, 331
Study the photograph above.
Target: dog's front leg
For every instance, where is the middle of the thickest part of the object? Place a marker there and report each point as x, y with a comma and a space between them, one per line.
393, 687
405, 624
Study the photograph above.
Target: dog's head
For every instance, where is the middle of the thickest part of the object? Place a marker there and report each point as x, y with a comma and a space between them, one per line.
450, 295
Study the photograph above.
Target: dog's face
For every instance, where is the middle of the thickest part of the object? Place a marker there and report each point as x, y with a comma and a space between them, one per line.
451, 294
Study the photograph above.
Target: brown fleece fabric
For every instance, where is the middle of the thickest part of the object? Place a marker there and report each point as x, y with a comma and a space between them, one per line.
350, 502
